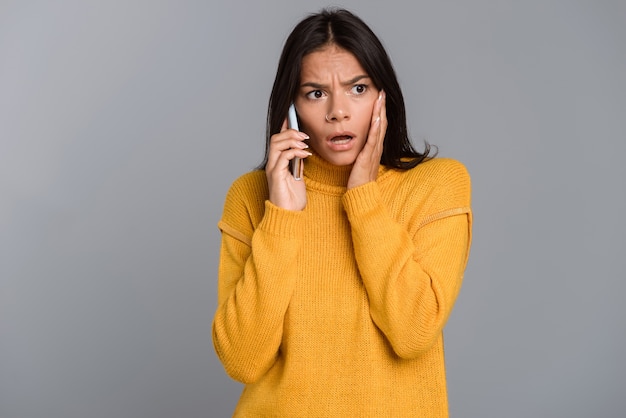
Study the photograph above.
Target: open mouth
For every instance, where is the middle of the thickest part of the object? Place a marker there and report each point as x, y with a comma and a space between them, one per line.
340, 140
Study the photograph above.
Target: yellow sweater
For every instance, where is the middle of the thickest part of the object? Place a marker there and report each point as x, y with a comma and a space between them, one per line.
338, 310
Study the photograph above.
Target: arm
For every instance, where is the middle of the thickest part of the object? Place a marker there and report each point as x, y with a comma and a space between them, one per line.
257, 264
254, 291
412, 281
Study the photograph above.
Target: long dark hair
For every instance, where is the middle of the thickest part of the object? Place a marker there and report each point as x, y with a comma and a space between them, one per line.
342, 28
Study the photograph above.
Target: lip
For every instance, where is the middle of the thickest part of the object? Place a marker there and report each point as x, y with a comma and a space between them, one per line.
342, 146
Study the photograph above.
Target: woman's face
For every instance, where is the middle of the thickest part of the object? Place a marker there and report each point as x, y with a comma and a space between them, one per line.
335, 103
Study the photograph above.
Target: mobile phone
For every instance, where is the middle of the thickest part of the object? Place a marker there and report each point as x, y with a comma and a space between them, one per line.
296, 163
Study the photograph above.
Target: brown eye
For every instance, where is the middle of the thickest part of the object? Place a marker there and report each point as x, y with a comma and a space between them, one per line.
315, 94
359, 89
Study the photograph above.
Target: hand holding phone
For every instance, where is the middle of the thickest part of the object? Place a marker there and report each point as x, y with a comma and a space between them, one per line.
296, 163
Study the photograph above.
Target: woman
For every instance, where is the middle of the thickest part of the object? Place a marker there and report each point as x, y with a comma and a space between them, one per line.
334, 290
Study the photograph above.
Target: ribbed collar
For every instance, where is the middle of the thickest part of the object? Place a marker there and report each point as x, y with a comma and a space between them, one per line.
324, 176
318, 170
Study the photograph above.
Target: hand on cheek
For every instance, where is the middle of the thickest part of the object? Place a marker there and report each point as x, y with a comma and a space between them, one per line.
365, 167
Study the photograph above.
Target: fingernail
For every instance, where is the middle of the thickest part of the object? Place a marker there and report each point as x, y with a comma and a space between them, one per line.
303, 135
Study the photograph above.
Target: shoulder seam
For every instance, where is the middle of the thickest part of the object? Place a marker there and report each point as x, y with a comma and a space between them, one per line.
444, 214
225, 228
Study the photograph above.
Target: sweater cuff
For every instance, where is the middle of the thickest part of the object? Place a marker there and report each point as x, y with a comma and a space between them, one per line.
280, 222
362, 199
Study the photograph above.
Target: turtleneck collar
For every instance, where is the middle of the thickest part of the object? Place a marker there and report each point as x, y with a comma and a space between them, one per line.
318, 170
321, 175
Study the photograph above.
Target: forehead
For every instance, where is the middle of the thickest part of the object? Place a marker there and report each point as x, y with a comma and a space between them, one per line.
328, 62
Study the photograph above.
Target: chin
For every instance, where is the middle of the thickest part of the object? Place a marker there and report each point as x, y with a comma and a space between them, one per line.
341, 161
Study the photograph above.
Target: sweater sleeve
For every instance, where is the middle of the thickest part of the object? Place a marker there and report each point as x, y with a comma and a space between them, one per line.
412, 281
254, 289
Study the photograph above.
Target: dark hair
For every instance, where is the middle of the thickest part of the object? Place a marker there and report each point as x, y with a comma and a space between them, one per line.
342, 28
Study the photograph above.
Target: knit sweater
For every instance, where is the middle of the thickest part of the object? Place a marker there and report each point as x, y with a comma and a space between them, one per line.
338, 310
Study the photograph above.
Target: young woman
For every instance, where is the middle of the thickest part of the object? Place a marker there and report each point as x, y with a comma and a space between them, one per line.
334, 290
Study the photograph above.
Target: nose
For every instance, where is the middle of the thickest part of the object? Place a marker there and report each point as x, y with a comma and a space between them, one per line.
338, 110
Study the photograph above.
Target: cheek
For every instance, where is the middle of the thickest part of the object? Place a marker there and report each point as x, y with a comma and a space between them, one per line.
372, 104
309, 122
366, 114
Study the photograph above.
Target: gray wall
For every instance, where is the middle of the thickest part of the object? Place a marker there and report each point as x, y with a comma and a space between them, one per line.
122, 124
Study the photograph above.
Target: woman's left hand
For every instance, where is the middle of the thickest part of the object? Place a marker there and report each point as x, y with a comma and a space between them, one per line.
365, 167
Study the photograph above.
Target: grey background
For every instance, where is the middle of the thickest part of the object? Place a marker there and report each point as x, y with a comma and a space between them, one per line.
123, 123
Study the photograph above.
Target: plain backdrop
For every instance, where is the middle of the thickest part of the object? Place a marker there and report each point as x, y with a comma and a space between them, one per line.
123, 123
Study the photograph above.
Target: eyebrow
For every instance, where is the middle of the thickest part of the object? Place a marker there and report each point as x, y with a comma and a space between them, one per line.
344, 83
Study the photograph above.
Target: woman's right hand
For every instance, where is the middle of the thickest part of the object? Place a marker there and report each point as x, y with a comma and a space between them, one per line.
285, 191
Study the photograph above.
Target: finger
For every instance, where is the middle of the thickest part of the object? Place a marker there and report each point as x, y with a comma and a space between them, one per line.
284, 126
290, 137
382, 110
383, 120
282, 162
279, 143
